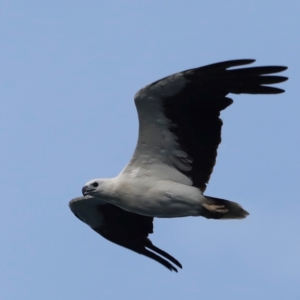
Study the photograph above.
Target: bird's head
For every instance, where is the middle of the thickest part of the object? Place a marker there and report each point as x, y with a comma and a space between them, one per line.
94, 187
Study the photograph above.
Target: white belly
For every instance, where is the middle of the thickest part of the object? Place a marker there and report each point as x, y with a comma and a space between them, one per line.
165, 199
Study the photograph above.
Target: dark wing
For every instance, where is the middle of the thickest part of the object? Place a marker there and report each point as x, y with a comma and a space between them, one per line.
121, 227
179, 118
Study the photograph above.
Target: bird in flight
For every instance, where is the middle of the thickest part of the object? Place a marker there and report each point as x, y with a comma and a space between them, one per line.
179, 134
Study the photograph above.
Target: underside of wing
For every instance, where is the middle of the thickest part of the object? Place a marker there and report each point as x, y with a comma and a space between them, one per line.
179, 117
122, 228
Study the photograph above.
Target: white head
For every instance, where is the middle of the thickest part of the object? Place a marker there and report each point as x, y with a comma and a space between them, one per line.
94, 187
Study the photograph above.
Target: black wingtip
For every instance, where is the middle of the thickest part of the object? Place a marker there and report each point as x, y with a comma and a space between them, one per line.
277, 91
165, 254
159, 259
227, 64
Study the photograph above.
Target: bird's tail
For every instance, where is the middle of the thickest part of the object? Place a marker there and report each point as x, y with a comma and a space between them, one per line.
215, 208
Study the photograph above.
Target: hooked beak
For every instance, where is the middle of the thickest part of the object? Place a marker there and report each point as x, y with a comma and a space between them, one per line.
87, 190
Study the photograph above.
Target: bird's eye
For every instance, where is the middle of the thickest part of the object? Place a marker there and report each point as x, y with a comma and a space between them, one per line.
95, 184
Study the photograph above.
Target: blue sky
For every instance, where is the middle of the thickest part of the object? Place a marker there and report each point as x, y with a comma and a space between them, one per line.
69, 71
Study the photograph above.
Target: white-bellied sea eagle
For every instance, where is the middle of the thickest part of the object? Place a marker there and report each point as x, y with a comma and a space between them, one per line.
179, 134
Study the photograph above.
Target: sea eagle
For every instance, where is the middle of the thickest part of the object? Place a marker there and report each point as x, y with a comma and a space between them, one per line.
179, 134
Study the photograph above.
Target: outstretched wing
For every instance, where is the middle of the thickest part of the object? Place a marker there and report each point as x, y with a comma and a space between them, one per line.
179, 123
121, 227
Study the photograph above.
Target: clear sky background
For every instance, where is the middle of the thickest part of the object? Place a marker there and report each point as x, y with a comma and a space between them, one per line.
69, 71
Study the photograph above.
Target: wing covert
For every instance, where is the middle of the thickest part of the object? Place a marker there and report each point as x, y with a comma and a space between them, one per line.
123, 228
179, 119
